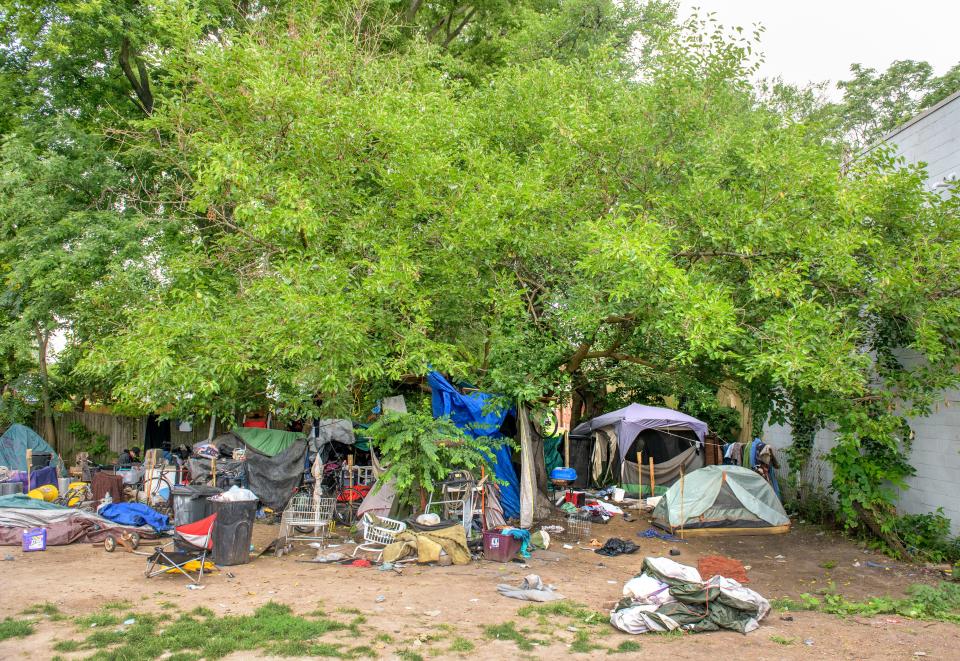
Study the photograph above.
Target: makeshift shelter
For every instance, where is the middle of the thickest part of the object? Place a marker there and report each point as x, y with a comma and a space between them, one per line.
64, 525
721, 500
674, 440
14, 445
274, 462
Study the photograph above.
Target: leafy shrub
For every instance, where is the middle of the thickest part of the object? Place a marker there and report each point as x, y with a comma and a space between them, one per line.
928, 536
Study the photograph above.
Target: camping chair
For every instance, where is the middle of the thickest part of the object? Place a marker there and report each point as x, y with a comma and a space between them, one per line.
192, 543
378, 532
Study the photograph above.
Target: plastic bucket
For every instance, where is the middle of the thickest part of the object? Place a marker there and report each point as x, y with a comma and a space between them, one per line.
10, 488
499, 548
190, 502
233, 530
35, 539
63, 484
618, 494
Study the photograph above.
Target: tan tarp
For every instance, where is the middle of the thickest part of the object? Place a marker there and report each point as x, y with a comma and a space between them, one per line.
665, 473
426, 546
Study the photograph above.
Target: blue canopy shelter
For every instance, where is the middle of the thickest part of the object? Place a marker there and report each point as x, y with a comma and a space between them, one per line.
478, 415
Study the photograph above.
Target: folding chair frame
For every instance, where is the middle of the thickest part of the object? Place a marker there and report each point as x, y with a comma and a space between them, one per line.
159, 553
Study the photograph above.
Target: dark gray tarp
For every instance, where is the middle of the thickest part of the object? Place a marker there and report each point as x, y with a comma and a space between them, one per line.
273, 479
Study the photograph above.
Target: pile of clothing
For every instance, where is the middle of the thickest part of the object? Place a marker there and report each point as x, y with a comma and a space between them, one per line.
667, 595
757, 456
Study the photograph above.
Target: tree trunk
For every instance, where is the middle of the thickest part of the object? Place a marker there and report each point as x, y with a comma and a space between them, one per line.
891, 539
49, 429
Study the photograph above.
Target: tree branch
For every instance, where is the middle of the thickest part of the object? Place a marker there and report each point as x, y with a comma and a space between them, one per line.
141, 84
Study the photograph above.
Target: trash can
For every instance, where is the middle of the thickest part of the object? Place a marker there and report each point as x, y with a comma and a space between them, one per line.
190, 502
233, 530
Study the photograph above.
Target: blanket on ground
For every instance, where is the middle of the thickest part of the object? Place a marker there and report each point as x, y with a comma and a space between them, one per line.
427, 545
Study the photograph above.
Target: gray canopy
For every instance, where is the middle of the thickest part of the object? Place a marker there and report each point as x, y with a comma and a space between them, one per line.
628, 422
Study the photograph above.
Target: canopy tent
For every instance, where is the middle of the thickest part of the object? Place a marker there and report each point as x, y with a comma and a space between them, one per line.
14, 445
671, 438
721, 499
478, 414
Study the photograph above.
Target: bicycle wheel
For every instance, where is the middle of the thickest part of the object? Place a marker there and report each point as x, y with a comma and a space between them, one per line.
160, 497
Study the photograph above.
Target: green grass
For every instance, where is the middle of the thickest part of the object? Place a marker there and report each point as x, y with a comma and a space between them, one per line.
383, 638
626, 647
508, 631
579, 613
168, 605
582, 644
42, 609
407, 655
272, 629
101, 619
120, 605
925, 602
67, 646
10, 628
828, 565
780, 640
461, 645
350, 611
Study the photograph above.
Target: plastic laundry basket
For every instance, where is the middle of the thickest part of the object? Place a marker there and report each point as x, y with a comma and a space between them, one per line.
498, 547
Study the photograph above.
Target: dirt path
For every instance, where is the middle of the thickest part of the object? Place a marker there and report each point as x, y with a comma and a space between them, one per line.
79, 579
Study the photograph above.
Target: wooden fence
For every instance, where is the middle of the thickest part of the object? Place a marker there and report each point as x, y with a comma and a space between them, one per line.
121, 431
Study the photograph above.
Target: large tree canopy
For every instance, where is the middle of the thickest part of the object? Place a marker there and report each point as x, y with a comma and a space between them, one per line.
566, 199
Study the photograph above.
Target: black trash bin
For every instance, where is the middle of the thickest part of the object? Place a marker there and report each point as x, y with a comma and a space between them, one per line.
233, 531
190, 502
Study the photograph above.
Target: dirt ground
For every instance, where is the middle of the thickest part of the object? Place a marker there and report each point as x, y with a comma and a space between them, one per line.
415, 605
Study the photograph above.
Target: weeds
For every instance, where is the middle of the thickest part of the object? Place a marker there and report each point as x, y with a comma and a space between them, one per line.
925, 602
626, 646
582, 644
272, 628
828, 565
508, 631
10, 628
120, 605
461, 645
574, 611
780, 640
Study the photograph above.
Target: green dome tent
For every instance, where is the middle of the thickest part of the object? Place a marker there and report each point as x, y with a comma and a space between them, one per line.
721, 500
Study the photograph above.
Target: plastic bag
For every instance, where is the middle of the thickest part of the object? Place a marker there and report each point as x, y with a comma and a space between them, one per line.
234, 494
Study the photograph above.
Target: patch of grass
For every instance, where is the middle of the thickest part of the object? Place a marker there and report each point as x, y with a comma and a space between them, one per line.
407, 655
361, 651
582, 644
67, 646
119, 605
10, 628
168, 605
383, 638
461, 645
577, 612
673, 633
350, 611
780, 640
45, 608
828, 565
273, 628
626, 646
508, 631
101, 619
926, 602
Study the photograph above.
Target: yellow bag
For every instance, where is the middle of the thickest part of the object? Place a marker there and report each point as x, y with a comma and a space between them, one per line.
46, 492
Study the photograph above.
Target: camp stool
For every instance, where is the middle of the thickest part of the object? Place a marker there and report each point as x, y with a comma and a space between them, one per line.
192, 543
378, 532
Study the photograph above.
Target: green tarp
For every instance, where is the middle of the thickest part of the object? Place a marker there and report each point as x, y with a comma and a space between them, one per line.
24, 502
551, 452
270, 442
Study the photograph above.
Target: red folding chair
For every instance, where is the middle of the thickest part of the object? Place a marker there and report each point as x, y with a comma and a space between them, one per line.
192, 543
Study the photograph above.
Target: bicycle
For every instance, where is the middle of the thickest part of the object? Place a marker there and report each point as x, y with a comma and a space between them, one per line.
155, 491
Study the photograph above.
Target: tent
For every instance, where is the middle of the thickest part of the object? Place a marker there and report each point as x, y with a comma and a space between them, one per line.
14, 445
721, 500
674, 440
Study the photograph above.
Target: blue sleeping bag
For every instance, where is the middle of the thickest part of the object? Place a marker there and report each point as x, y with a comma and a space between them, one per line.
136, 515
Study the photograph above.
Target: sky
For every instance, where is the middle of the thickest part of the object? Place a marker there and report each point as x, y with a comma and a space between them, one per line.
816, 40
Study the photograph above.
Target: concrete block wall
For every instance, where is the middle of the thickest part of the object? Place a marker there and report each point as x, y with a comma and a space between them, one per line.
933, 137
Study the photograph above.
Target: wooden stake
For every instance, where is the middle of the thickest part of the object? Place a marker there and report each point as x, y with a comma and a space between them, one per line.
639, 479
29, 466
652, 483
566, 448
213, 470
148, 475
350, 486
682, 521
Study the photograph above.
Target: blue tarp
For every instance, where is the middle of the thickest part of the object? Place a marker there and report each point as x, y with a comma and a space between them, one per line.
135, 514
475, 415
14, 444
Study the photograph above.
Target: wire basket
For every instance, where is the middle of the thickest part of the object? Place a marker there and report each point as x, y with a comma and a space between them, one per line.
303, 510
576, 527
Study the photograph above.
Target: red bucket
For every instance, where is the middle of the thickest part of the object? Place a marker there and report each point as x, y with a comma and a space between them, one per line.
499, 548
